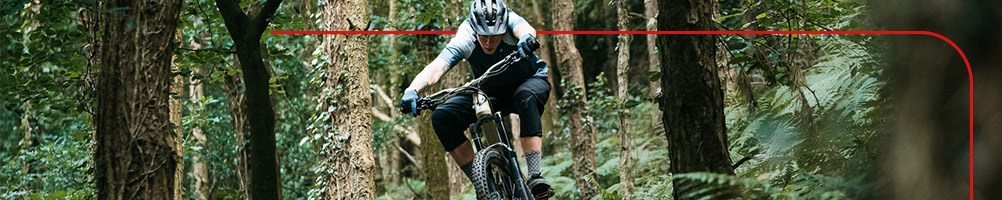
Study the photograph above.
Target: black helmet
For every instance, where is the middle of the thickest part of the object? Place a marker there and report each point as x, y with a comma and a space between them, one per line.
489, 17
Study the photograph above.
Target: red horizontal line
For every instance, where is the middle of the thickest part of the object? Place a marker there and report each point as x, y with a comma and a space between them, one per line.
602, 32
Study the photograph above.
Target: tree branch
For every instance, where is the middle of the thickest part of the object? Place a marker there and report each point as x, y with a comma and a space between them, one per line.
264, 16
742, 161
233, 15
382, 94
217, 50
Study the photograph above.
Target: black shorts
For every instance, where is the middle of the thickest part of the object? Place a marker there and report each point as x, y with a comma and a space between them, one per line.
454, 116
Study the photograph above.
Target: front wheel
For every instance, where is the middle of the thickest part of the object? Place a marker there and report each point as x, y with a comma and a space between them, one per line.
491, 175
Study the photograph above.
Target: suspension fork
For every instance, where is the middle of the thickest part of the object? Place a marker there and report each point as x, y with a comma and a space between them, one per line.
505, 138
475, 136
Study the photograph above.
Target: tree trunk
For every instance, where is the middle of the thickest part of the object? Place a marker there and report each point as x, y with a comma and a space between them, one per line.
623, 94
199, 164
653, 57
246, 32
582, 138
431, 157
928, 150
238, 112
456, 76
27, 142
136, 154
693, 106
348, 81
177, 89
654, 60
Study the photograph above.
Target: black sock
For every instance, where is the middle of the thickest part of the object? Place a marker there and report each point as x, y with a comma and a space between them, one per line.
532, 162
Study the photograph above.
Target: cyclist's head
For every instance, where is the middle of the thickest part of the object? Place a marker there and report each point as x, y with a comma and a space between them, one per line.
489, 43
489, 17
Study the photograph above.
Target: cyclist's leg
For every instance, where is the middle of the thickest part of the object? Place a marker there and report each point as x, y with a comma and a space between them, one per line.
529, 99
450, 120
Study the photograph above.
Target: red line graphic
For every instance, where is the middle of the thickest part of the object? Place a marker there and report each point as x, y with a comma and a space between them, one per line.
970, 74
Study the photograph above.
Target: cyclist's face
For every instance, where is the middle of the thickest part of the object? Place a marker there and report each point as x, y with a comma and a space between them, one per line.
489, 42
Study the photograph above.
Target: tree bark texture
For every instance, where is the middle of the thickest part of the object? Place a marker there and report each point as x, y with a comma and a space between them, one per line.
246, 32
351, 155
137, 153
623, 94
582, 138
692, 104
177, 89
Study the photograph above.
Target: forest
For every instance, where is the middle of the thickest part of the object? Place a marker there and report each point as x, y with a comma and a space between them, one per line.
198, 99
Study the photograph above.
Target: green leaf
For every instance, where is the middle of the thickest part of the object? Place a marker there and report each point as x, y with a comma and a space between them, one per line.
73, 75
760, 16
631, 103
654, 75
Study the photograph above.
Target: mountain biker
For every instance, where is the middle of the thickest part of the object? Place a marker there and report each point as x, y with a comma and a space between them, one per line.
490, 33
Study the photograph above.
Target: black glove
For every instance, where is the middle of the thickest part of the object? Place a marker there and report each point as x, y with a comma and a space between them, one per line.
527, 45
408, 103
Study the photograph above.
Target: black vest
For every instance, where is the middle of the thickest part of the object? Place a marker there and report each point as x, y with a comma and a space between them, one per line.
513, 77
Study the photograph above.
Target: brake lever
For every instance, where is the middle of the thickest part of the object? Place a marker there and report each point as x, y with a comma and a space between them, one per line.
424, 104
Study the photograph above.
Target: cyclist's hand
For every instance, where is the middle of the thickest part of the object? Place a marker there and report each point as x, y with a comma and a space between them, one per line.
408, 103
527, 45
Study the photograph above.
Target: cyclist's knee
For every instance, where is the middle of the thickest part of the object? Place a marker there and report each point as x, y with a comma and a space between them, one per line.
443, 120
526, 99
447, 128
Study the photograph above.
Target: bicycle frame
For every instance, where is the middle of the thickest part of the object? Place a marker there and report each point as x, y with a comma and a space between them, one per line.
485, 120
490, 123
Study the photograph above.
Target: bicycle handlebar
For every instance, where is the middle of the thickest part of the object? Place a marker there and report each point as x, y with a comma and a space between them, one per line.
432, 101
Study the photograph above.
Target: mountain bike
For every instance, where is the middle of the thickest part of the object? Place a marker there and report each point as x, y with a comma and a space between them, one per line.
496, 173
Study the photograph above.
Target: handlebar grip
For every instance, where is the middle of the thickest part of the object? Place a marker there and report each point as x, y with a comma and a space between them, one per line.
423, 104
534, 45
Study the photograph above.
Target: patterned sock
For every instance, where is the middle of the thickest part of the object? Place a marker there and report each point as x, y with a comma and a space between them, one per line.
468, 170
532, 162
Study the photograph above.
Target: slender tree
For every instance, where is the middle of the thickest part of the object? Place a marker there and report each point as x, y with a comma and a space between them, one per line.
459, 11
545, 52
693, 101
431, 156
246, 32
137, 153
238, 112
177, 89
623, 94
651, 14
199, 162
582, 137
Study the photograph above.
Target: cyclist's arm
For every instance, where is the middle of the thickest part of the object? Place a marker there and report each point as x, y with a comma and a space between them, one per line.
519, 26
459, 48
429, 75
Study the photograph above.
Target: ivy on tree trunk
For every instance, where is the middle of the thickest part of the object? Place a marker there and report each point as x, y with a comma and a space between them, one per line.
137, 152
